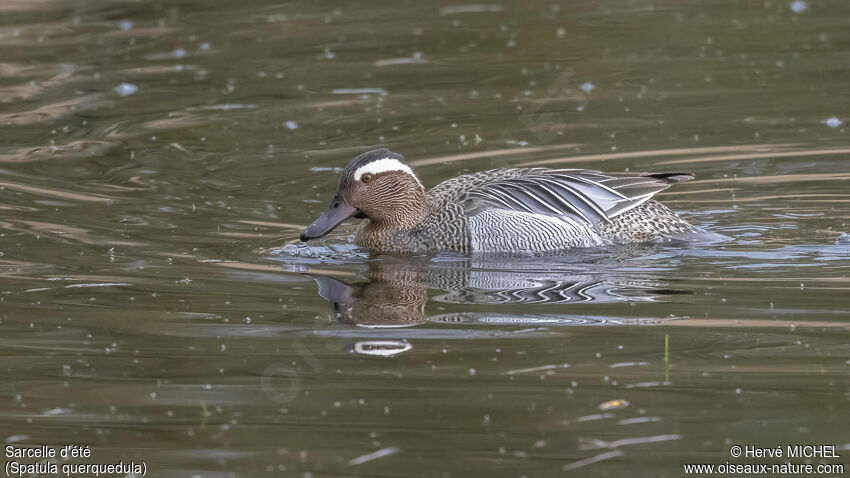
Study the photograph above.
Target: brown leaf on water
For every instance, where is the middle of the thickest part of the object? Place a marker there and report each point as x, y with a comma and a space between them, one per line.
614, 404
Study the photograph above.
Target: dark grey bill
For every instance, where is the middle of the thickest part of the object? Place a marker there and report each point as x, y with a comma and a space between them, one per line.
338, 211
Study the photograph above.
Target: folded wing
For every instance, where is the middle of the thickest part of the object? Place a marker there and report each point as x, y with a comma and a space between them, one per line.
590, 196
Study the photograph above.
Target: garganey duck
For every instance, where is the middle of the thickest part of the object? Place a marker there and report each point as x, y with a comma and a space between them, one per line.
510, 210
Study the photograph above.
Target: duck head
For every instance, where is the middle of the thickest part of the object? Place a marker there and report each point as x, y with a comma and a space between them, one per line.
379, 186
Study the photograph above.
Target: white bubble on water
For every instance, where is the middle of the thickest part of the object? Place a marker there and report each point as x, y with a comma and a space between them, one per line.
179, 53
291, 125
799, 6
126, 89
587, 87
833, 122
125, 25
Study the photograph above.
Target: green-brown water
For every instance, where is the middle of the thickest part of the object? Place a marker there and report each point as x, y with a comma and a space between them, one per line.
158, 160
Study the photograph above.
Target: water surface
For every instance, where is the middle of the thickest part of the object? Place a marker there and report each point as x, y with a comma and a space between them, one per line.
158, 161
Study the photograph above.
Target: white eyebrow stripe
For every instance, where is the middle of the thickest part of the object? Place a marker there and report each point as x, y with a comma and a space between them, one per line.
384, 165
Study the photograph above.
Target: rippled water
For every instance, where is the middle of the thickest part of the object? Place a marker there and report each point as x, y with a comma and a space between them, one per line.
158, 161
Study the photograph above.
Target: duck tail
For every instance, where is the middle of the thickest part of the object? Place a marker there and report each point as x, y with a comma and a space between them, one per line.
671, 178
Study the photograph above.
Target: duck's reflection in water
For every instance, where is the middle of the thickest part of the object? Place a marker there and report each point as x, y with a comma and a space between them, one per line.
397, 291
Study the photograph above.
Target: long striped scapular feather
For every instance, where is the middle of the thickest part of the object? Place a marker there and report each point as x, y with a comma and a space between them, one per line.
591, 196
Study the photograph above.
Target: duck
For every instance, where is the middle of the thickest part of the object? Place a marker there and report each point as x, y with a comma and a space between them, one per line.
506, 210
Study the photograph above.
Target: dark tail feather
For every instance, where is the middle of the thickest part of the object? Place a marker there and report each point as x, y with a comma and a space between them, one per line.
670, 178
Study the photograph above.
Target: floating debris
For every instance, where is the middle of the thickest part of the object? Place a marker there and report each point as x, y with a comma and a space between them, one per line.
628, 364
833, 122
126, 89
479, 8
319, 169
373, 456
614, 404
360, 91
416, 58
594, 459
180, 148
647, 384
799, 6
536, 369
590, 418
222, 107
55, 411
103, 284
630, 421
593, 443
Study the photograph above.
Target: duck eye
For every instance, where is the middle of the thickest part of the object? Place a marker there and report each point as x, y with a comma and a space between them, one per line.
366, 178
336, 205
